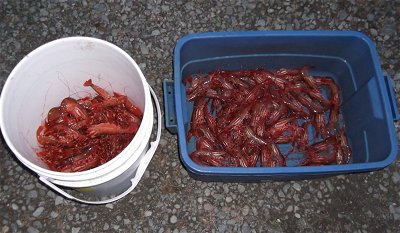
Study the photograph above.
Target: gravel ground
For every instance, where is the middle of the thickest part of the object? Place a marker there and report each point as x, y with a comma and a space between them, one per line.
167, 199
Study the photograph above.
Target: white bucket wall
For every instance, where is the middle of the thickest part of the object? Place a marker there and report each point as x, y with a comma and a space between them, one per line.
56, 70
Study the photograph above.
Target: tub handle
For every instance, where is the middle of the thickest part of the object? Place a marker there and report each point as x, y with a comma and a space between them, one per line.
392, 98
169, 106
134, 181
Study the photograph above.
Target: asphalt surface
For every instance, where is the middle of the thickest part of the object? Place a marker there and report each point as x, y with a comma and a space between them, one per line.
167, 199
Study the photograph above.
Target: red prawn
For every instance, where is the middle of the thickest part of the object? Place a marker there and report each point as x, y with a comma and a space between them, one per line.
81, 134
241, 116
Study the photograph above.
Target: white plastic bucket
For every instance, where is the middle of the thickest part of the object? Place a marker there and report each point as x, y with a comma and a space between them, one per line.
56, 70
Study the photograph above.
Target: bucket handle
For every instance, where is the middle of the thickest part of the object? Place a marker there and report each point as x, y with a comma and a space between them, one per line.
139, 173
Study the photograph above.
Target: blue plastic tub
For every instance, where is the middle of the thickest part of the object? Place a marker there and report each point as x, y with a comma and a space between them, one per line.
368, 103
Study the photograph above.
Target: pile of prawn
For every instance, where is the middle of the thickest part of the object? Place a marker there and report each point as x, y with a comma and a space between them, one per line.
84, 133
240, 118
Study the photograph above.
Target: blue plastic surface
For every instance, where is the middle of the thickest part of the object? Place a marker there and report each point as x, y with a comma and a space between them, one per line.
169, 106
349, 57
392, 98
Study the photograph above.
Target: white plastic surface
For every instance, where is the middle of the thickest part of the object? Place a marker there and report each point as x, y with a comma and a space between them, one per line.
59, 69
144, 162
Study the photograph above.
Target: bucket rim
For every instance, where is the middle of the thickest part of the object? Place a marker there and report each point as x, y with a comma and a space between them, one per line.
102, 169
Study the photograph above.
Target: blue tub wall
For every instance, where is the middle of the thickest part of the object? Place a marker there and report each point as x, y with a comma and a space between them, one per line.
349, 58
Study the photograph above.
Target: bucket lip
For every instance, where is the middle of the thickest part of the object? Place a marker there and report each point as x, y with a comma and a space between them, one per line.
100, 169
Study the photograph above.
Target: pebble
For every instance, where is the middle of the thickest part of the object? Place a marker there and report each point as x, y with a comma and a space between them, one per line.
208, 207
241, 188
245, 210
246, 228
33, 194
373, 32
207, 192
75, 229
395, 211
163, 142
127, 221
370, 17
383, 188
297, 187
115, 226
37, 224
110, 206
59, 200
281, 194
29, 186
14, 206
38, 212
53, 214
32, 230
228, 199
148, 213
144, 49
106, 226
396, 175
155, 32
173, 219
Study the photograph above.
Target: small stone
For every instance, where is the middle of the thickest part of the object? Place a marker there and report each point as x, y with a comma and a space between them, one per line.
297, 215
75, 229
165, 8
245, 210
53, 214
289, 209
38, 212
207, 192
58, 200
173, 219
106, 226
29, 187
33, 194
383, 188
342, 15
373, 32
37, 224
297, 187
396, 175
200, 200
148, 213
110, 206
127, 221
246, 228
155, 32
100, 7
208, 207
241, 188
44, 12
32, 230
14, 206
260, 22
163, 142
370, 17
228, 199
231, 222
144, 49
281, 194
